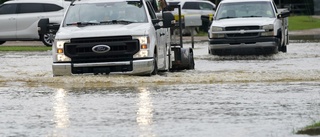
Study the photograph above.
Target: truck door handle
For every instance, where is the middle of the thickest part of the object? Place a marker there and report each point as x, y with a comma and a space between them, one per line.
161, 34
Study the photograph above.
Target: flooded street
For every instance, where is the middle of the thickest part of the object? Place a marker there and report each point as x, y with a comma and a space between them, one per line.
230, 96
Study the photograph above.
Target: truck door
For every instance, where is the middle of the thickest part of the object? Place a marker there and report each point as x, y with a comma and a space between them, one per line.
160, 35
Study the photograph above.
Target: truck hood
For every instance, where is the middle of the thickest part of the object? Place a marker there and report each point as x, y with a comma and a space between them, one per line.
243, 22
133, 29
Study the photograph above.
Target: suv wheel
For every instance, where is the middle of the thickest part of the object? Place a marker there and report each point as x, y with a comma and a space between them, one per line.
1, 42
47, 39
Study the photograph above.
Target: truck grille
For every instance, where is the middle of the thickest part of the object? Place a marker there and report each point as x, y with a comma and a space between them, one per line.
244, 35
121, 49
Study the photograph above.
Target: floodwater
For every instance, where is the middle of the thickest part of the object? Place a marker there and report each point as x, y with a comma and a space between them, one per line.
230, 96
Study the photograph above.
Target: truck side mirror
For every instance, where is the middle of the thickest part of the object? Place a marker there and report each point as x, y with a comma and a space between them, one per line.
43, 26
167, 19
155, 23
284, 14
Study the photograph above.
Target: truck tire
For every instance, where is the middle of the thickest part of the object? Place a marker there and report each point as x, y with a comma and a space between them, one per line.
282, 45
2, 42
155, 65
284, 48
191, 60
47, 39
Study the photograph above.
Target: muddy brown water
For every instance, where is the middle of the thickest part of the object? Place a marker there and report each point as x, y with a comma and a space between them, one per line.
242, 96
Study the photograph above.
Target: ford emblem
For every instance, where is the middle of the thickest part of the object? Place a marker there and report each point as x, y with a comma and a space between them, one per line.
101, 48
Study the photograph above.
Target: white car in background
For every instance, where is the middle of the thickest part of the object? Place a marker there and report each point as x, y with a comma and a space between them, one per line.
203, 7
248, 27
193, 8
19, 19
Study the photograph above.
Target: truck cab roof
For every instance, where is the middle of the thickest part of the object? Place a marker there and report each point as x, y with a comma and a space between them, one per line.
231, 1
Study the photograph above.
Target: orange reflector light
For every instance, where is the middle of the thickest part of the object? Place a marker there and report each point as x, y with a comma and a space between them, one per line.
144, 46
60, 51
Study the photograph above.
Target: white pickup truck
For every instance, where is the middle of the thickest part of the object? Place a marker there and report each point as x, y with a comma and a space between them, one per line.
248, 27
116, 36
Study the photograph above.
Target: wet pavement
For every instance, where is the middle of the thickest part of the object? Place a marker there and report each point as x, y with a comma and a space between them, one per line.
243, 96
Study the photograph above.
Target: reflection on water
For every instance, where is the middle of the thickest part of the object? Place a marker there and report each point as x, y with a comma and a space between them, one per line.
145, 112
61, 115
145, 107
222, 97
61, 109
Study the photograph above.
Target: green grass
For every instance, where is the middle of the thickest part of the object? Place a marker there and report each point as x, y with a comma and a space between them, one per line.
303, 22
314, 125
310, 130
24, 48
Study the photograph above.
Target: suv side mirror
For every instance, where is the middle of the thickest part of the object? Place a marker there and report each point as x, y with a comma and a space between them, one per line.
167, 19
43, 26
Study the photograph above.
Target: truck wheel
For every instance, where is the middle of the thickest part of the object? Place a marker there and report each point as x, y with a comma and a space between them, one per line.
47, 39
1, 42
284, 48
155, 65
191, 60
282, 45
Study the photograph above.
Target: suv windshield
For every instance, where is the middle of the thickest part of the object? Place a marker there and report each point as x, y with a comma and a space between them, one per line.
105, 13
245, 10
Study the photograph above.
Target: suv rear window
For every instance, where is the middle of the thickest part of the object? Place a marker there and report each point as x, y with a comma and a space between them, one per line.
198, 6
52, 7
191, 6
8, 9
30, 8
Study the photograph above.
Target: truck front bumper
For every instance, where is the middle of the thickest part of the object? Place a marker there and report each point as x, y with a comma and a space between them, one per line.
244, 45
139, 67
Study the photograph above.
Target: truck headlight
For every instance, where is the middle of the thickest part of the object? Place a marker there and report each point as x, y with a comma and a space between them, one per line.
269, 30
215, 32
144, 46
58, 51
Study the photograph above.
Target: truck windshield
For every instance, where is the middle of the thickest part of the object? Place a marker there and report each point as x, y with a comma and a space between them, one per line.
245, 10
105, 13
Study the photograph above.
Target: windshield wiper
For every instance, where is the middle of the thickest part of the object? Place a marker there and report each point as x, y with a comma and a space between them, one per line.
226, 17
84, 23
116, 22
250, 16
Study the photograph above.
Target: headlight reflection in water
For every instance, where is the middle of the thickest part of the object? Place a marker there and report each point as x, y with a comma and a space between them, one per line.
61, 115
145, 112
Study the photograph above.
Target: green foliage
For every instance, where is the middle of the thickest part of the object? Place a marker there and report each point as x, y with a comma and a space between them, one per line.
314, 125
25, 48
303, 22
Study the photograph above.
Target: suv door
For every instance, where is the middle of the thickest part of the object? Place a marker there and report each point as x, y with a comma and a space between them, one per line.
27, 20
8, 21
